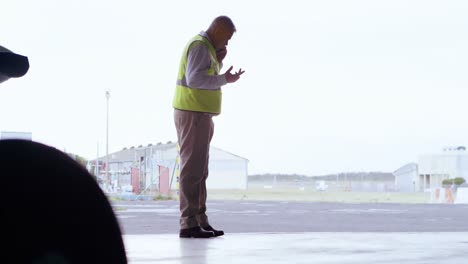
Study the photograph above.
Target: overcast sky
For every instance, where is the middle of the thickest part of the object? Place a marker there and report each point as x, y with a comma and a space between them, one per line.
330, 86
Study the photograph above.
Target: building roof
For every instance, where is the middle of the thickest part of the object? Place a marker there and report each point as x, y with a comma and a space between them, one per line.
410, 167
219, 154
166, 151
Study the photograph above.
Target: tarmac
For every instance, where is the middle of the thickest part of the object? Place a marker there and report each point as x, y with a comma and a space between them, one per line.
329, 248
152, 217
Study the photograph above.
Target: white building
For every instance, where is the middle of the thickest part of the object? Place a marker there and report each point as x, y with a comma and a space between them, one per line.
432, 169
407, 178
227, 171
156, 168
451, 163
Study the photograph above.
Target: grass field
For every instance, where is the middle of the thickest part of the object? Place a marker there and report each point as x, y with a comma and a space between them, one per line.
260, 194
303, 193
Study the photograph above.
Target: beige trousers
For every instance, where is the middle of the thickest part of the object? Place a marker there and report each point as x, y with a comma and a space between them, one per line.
194, 133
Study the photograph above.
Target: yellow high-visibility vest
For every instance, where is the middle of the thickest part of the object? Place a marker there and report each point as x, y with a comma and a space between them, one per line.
192, 99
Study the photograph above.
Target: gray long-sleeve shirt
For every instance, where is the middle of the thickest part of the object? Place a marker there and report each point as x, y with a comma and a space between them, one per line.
198, 64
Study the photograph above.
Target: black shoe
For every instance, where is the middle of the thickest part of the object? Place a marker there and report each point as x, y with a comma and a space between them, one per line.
216, 232
195, 232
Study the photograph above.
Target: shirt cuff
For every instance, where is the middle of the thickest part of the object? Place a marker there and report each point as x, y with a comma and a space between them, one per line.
222, 80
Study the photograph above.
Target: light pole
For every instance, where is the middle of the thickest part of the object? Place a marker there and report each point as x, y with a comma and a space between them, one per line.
107, 139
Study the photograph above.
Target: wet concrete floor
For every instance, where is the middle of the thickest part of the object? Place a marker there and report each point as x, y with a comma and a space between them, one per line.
321, 247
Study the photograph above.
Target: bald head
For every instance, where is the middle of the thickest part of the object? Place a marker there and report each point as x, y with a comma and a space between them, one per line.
220, 31
223, 22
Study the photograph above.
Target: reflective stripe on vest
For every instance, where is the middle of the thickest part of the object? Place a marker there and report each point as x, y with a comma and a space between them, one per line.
192, 99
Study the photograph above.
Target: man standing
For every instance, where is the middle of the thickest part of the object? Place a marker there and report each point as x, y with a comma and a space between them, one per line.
197, 99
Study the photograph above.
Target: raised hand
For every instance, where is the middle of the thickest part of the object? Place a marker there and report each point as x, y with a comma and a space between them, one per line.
230, 78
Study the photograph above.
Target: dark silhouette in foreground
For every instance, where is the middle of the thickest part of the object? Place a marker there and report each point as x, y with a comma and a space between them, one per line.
52, 210
12, 65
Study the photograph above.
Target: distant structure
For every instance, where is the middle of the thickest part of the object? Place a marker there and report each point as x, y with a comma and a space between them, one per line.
407, 178
15, 135
156, 168
432, 169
